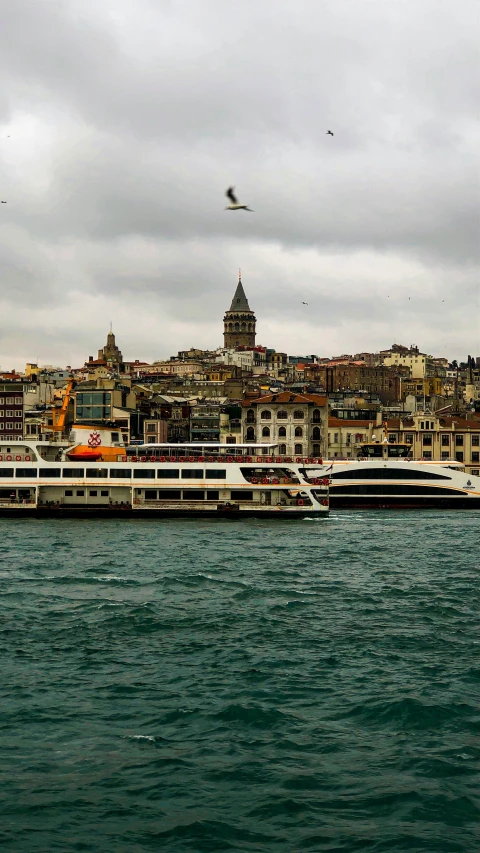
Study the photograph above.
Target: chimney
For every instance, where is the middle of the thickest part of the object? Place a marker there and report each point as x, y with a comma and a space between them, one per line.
90, 357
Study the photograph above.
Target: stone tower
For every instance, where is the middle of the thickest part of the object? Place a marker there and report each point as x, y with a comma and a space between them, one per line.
110, 352
239, 321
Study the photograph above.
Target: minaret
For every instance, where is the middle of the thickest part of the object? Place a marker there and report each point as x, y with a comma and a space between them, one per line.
239, 321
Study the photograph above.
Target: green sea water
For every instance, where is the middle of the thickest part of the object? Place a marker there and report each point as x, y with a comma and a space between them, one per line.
247, 685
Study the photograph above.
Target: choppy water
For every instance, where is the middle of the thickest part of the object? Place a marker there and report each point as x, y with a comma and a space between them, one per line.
241, 685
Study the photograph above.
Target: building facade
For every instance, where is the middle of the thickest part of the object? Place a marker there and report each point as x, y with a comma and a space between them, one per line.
297, 423
239, 322
11, 411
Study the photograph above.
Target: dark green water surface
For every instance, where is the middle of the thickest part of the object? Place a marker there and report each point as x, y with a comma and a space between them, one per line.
226, 685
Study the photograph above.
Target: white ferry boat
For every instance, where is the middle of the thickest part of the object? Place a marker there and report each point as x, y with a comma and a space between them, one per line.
384, 476
50, 478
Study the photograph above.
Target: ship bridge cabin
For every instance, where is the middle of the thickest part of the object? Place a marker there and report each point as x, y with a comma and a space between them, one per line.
384, 450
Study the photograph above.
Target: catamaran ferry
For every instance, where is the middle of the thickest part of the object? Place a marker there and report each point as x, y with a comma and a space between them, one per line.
49, 478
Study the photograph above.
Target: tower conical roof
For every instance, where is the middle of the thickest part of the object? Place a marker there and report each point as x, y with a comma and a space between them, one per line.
239, 301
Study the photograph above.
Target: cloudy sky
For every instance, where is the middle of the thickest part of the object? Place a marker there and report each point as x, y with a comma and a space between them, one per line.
123, 122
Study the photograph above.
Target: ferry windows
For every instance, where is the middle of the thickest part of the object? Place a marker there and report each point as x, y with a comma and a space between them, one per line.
266, 415
68, 493
459, 441
215, 473
97, 472
298, 449
6, 472
213, 495
120, 473
169, 494
193, 495
26, 472
168, 473
240, 495
298, 432
50, 472
282, 415
104, 494
73, 472
387, 474
298, 415
265, 432
151, 494
148, 474
80, 493
282, 432
192, 474
93, 493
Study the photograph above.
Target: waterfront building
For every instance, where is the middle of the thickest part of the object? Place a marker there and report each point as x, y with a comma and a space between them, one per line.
297, 422
11, 410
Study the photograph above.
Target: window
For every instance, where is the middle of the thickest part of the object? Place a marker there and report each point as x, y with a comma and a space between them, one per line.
298, 415
298, 432
251, 416
240, 495
427, 454
476, 440
316, 433
266, 432
104, 494
282, 449
68, 493
250, 434
120, 473
216, 474
445, 454
213, 495
151, 427
26, 472
193, 495
459, 441
459, 455
168, 473
18, 401
282, 415
151, 439
97, 472
316, 450
427, 440
475, 456
80, 493
6, 472
169, 494
192, 474
50, 472
335, 438
72, 472
282, 432
298, 449
93, 493
475, 472
445, 441
149, 474
266, 415
150, 494
316, 418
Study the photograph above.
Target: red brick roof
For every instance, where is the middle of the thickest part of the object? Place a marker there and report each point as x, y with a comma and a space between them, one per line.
287, 397
342, 422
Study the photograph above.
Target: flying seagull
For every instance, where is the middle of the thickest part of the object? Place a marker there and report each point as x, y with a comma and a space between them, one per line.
4, 202
304, 303
234, 201
329, 132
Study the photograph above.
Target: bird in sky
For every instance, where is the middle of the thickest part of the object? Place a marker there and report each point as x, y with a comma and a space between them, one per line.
3, 202
304, 303
329, 132
234, 201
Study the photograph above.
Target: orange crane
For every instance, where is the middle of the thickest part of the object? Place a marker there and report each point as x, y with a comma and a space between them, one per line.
59, 415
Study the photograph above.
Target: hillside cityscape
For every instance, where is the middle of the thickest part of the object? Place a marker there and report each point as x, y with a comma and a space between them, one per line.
246, 392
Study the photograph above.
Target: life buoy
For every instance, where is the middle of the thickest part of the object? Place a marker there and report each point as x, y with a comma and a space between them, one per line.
8, 458
248, 459
211, 459
143, 459
124, 458
181, 458
27, 458
275, 480
278, 459
191, 458
265, 481
298, 459
134, 458
254, 479
320, 461
259, 458
325, 481
153, 458
316, 481
269, 459
163, 458
300, 502
324, 502
288, 459
171, 458
230, 459
18, 458
201, 458
1, 457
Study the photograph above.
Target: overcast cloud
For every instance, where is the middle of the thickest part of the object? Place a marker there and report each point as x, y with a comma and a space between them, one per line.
122, 123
